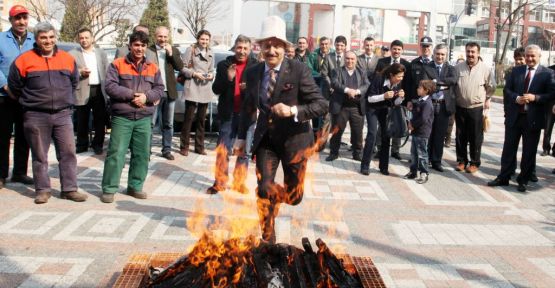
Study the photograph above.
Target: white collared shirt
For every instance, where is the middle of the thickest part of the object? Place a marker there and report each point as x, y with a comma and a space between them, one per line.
532, 74
381, 97
161, 53
90, 62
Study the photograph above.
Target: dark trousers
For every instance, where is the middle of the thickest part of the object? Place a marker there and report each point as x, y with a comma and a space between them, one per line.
339, 121
11, 117
419, 155
550, 119
437, 137
530, 140
270, 194
470, 133
376, 118
98, 106
40, 128
228, 132
190, 117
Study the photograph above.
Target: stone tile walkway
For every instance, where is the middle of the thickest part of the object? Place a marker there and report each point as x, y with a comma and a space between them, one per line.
453, 231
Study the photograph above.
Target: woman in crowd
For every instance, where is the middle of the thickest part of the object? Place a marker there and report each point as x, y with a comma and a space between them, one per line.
199, 72
384, 92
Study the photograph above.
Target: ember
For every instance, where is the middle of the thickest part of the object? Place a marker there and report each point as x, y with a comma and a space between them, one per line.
250, 263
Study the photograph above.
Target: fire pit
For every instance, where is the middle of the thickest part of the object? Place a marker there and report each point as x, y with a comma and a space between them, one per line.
253, 264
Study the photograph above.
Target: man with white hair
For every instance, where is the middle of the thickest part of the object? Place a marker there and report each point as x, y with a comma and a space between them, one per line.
528, 90
284, 93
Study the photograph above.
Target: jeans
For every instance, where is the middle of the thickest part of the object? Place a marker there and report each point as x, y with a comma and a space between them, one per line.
163, 114
228, 132
419, 155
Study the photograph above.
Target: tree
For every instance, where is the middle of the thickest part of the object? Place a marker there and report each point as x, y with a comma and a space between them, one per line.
155, 15
73, 19
195, 14
103, 17
517, 10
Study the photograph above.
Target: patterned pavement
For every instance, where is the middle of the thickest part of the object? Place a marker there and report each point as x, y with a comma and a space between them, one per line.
453, 231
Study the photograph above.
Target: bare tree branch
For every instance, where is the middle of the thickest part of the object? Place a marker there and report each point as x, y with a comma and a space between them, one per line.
195, 14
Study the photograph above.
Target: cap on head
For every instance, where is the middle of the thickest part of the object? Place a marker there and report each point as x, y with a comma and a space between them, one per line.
426, 41
273, 27
18, 9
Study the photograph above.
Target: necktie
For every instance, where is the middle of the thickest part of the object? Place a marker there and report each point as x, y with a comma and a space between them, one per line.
522, 108
338, 61
367, 61
438, 69
271, 83
395, 61
425, 60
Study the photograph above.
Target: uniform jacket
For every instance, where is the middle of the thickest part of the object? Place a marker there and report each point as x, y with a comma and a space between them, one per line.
9, 50
197, 90
338, 82
294, 87
447, 81
418, 71
225, 89
44, 83
173, 63
83, 91
124, 79
542, 85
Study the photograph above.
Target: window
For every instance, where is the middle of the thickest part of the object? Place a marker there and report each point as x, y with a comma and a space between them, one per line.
536, 15
549, 16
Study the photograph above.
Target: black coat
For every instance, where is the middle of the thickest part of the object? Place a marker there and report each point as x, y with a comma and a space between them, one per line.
542, 85
338, 85
418, 71
225, 89
173, 63
386, 61
295, 87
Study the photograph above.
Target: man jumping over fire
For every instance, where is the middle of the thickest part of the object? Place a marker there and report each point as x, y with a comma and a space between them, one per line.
286, 97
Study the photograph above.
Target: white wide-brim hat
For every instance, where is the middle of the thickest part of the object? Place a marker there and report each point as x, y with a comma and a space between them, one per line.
273, 27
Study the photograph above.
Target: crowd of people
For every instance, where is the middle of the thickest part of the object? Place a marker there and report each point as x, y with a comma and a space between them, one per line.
287, 98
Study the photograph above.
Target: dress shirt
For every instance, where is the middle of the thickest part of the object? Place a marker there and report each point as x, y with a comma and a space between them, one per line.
90, 62
161, 52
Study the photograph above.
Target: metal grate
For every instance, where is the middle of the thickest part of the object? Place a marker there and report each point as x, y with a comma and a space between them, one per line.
134, 271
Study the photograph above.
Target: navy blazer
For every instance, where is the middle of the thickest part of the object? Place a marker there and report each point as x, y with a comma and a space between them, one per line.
542, 86
338, 85
294, 87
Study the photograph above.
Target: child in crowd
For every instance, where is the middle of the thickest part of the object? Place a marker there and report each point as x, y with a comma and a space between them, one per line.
420, 127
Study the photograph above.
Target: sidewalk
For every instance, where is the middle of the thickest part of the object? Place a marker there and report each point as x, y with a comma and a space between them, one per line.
453, 231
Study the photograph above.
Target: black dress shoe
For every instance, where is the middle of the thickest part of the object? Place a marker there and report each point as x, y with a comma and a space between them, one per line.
396, 155
97, 150
521, 187
357, 157
384, 172
2, 182
437, 167
545, 153
498, 182
168, 155
365, 171
534, 178
214, 189
200, 152
410, 175
553, 171
23, 179
332, 157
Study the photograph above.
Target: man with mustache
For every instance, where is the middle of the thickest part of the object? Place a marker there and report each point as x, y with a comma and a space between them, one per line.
284, 93
12, 44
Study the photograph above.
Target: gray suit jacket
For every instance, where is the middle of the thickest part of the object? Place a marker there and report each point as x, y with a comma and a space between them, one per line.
82, 92
370, 67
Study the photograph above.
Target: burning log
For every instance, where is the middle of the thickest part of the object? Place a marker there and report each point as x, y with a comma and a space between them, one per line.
249, 263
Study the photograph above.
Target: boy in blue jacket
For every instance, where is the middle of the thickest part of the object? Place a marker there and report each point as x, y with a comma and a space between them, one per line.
421, 127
